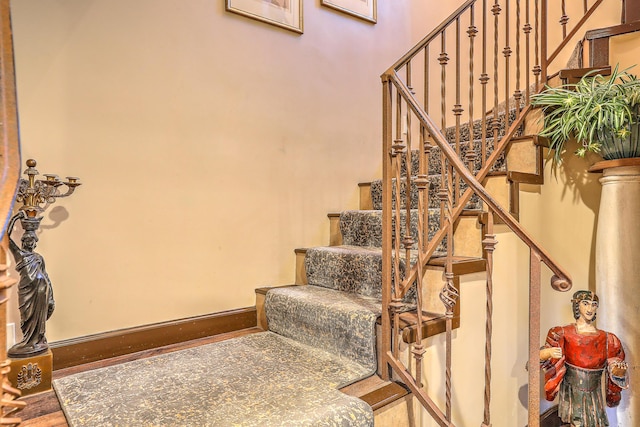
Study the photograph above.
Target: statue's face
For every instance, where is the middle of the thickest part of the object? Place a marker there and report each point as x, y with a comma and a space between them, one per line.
588, 309
28, 243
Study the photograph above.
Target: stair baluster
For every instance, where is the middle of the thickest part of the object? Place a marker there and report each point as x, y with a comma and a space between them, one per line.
488, 244
457, 169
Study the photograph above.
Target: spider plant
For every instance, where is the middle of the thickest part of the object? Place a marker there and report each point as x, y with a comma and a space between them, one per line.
601, 112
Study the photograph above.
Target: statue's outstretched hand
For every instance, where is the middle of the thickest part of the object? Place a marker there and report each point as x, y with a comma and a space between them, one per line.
618, 369
551, 353
16, 217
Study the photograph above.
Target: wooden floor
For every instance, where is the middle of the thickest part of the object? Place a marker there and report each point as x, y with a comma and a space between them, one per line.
43, 409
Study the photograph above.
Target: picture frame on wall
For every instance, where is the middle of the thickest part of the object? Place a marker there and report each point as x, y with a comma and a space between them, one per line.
282, 13
363, 9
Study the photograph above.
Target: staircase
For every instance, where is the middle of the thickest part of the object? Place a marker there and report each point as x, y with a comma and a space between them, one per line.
391, 276
336, 303
440, 163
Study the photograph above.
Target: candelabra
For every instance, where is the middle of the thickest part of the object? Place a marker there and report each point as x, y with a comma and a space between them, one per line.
31, 358
35, 193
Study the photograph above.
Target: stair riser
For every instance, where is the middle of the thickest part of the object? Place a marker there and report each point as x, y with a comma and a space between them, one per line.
433, 200
322, 319
435, 161
344, 270
450, 132
364, 228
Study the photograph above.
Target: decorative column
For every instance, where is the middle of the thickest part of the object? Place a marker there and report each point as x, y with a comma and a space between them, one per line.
618, 271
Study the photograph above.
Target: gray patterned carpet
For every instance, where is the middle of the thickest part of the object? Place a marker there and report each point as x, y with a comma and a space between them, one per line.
261, 380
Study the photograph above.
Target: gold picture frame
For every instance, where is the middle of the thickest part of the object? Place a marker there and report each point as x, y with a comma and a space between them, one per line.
363, 9
282, 13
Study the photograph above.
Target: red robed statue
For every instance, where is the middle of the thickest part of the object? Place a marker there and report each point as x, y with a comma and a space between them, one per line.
574, 359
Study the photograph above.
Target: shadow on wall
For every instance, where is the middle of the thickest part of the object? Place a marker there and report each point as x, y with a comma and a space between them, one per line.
582, 187
56, 216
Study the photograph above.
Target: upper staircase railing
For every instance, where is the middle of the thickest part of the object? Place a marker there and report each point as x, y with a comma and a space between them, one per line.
9, 177
487, 57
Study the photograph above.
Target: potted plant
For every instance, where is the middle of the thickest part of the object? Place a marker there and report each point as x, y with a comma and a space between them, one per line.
601, 112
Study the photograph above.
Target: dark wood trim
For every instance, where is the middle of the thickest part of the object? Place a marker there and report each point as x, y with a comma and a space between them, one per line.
263, 290
616, 163
461, 265
599, 52
525, 178
541, 141
573, 75
471, 212
430, 328
615, 30
630, 10
599, 41
385, 395
82, 350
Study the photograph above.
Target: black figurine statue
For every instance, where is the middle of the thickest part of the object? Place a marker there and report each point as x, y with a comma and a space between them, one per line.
35, 294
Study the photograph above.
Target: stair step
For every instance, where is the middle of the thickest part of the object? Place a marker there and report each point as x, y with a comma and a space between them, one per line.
432, 324
525, 178
434, 319
376, 391
364, 227
461, 265
353, 269
450, 132
341, 323
573, 75
435, 164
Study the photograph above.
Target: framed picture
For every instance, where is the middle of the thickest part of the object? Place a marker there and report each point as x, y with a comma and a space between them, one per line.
363, 9
283, 13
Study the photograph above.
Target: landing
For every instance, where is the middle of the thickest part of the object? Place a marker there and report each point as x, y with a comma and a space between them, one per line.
255, 380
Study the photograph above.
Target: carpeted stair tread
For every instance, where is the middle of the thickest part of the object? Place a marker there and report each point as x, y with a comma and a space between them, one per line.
342, 323
256, 380
364, 227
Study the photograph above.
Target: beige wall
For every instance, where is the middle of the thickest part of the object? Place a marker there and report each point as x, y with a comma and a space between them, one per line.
210, 146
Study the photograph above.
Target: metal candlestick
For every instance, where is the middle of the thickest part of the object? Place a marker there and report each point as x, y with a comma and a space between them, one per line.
35, 292
35, 193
